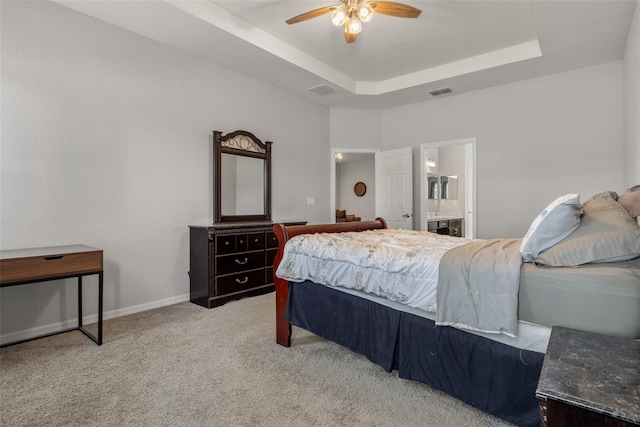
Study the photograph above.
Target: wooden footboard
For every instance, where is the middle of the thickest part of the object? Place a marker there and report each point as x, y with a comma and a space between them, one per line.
284, 233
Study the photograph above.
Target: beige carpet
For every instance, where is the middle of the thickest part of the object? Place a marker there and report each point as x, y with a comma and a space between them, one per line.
184, 365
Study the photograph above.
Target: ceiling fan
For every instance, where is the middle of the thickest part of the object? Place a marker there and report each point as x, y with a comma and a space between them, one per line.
352, 13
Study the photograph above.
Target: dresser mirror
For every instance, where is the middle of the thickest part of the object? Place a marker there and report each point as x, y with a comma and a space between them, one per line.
242, 177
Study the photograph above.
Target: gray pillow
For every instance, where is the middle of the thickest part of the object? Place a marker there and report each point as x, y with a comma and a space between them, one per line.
630, 199
607, 233
556, 222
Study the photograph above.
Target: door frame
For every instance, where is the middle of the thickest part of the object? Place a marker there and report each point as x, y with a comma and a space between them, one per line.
471, 190
332, 175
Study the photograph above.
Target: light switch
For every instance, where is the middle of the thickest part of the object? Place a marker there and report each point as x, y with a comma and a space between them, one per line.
311, 201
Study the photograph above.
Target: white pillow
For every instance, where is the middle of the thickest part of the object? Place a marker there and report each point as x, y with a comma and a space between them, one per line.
556, 222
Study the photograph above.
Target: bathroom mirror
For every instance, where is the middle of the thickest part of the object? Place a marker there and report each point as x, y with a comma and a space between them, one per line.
242, 177
442, 187
433, 186
449, 187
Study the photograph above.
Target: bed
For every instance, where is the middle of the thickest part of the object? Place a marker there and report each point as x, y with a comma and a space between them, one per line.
577, 267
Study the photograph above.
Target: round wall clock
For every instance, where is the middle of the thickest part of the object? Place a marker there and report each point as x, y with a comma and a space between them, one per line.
360, 189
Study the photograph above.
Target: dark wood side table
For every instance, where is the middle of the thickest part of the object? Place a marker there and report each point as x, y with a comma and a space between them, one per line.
21, 266
589, 379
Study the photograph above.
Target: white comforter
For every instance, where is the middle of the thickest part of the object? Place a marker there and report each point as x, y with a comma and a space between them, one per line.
400, 265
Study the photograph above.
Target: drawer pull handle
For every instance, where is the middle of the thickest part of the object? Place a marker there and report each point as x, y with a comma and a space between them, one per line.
226, 243
53, 257
242, 282
257, 240
246, 260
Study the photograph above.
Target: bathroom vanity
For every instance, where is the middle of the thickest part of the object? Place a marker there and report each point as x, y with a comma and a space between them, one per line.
449, 225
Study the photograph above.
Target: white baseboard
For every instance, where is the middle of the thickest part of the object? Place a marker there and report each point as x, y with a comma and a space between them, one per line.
87, 320
137, 308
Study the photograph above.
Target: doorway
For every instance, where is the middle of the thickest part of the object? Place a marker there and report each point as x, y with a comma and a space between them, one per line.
350, 166
448, 183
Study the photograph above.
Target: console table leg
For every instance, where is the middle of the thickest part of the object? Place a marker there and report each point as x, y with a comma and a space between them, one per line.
79, 302
97, 339
100, 286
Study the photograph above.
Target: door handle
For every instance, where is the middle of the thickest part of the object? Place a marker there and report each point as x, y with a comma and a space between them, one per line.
406, 216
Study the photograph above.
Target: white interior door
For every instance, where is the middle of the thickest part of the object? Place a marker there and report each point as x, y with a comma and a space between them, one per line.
394, 187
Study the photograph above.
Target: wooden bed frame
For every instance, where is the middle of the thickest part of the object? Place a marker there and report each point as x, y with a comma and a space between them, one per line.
284, 233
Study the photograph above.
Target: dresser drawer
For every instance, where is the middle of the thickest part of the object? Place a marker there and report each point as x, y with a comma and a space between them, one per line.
255, 241
272, 240
239, 282
230, 243
227, 264
226, 244
49, 266
271, 255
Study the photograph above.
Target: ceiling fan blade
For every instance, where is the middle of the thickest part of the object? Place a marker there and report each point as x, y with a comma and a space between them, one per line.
350, 38
311, 14
395, 9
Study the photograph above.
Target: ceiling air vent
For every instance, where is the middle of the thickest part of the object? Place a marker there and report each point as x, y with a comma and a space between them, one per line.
323, 89
441, 91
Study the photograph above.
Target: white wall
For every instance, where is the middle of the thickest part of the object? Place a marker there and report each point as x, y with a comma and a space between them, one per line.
106, 140
536, 140
359, 129
631, 90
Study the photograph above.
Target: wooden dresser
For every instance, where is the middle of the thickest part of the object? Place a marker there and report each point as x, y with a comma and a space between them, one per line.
230, 261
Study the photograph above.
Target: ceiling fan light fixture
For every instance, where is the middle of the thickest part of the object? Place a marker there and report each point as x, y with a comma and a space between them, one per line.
353, 25
339, 16
365, 12
352, 13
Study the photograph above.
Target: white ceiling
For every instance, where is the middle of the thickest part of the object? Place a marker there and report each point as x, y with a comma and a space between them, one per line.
466, 45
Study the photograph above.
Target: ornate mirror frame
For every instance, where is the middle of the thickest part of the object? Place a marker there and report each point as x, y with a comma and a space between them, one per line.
240, 143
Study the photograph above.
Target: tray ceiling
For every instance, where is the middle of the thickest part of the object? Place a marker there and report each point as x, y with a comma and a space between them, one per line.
464, 45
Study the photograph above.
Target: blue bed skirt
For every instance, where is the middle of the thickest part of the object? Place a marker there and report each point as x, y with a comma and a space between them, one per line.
493, 377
